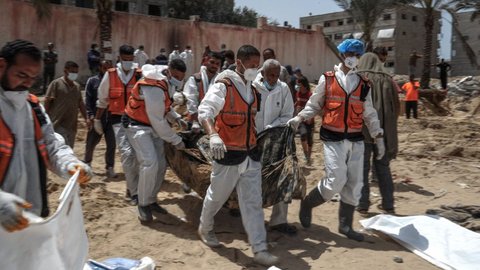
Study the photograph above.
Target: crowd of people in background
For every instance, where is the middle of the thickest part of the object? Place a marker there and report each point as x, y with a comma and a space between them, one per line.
230, 98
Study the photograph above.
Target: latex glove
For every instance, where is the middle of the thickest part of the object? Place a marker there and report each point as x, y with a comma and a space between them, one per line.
180, 145
97, 126
380, 143
182, 123
11, 217
217, 147
196, 127
295, 122
85, 172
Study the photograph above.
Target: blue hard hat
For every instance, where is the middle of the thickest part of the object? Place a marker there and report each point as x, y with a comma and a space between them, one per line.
351, 45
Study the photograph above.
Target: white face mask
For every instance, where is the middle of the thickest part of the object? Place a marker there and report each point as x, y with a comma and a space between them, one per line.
72, 76
175, 82
351, 62
127, 65
17, 98
250, 73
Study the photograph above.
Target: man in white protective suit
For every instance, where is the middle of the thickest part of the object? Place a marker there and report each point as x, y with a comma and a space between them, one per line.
345, 100
227, 113
276, 108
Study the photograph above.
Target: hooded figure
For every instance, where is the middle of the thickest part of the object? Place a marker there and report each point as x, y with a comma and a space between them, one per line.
386, 103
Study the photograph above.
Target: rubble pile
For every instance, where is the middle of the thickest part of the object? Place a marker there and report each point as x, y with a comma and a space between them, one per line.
467, 86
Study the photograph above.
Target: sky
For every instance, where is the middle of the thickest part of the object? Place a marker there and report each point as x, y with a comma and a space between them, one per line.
292, 10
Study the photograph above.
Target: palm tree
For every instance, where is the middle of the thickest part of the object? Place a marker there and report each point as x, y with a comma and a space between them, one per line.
366, 13
104, 15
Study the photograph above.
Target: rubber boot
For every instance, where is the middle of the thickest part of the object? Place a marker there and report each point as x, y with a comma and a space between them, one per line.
345, 217
313, 199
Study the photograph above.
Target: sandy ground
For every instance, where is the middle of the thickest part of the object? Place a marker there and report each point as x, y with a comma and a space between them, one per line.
438, 164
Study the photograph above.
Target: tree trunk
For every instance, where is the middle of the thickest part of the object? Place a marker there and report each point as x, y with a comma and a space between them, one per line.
427, 49
104, 15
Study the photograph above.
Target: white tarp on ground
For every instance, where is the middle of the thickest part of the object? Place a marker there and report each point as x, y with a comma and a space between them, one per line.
59, 242
436, 239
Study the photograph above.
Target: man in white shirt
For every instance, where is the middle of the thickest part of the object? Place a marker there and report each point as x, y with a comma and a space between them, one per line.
187, 57
197, 86
276, 108
345, 100
141, 57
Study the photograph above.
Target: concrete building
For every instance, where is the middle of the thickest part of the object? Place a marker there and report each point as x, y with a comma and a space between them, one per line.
460, 62
400, 30
146, 7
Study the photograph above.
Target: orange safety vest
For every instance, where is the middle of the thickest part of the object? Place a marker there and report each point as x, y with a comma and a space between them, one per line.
7, 138
135, 108
118, 93
343, 113
236, 121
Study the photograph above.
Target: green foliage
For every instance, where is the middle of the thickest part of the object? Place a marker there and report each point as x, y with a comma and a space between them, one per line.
216, 11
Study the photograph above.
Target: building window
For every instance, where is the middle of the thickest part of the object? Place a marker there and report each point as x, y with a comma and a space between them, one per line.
404, 33
338, 36
349, 20
454, 53
121, 6
340, 22
59, 2
154, 10
466, 38
387, 17
309, 27
404, 16
84, 3
390, 48
326, 24
390, 64
414, 18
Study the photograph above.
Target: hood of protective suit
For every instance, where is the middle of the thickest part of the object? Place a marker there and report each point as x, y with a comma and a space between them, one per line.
17, 98
370, 62
154, 72
237, 80
258, 83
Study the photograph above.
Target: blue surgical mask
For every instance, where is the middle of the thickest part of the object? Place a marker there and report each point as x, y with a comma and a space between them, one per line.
268, 86
175, 82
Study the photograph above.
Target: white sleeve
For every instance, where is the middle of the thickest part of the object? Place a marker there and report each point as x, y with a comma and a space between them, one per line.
213, 102
103, 90
155, 108
316, 101
60, 155
191, 93
370, 117
287, 109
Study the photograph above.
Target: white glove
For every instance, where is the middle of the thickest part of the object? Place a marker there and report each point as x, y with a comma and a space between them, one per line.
196, 127
295, 122
180, 145
85, 171
97, 126
11, 217
179, 98
217, 147
379, 142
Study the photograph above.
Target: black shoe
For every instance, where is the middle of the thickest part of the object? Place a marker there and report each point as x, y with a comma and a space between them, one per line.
345, 217
145, 213
313, 199
284, 228
157, 208
133, 200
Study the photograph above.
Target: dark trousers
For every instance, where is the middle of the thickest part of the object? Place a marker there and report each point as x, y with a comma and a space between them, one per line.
443, 80
409, 107
48, 76
93, 138
384, 177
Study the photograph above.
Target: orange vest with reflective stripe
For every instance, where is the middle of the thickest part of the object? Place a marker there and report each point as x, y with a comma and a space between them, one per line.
236, 121
343, 112
135, 108
7, 141
118, 93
